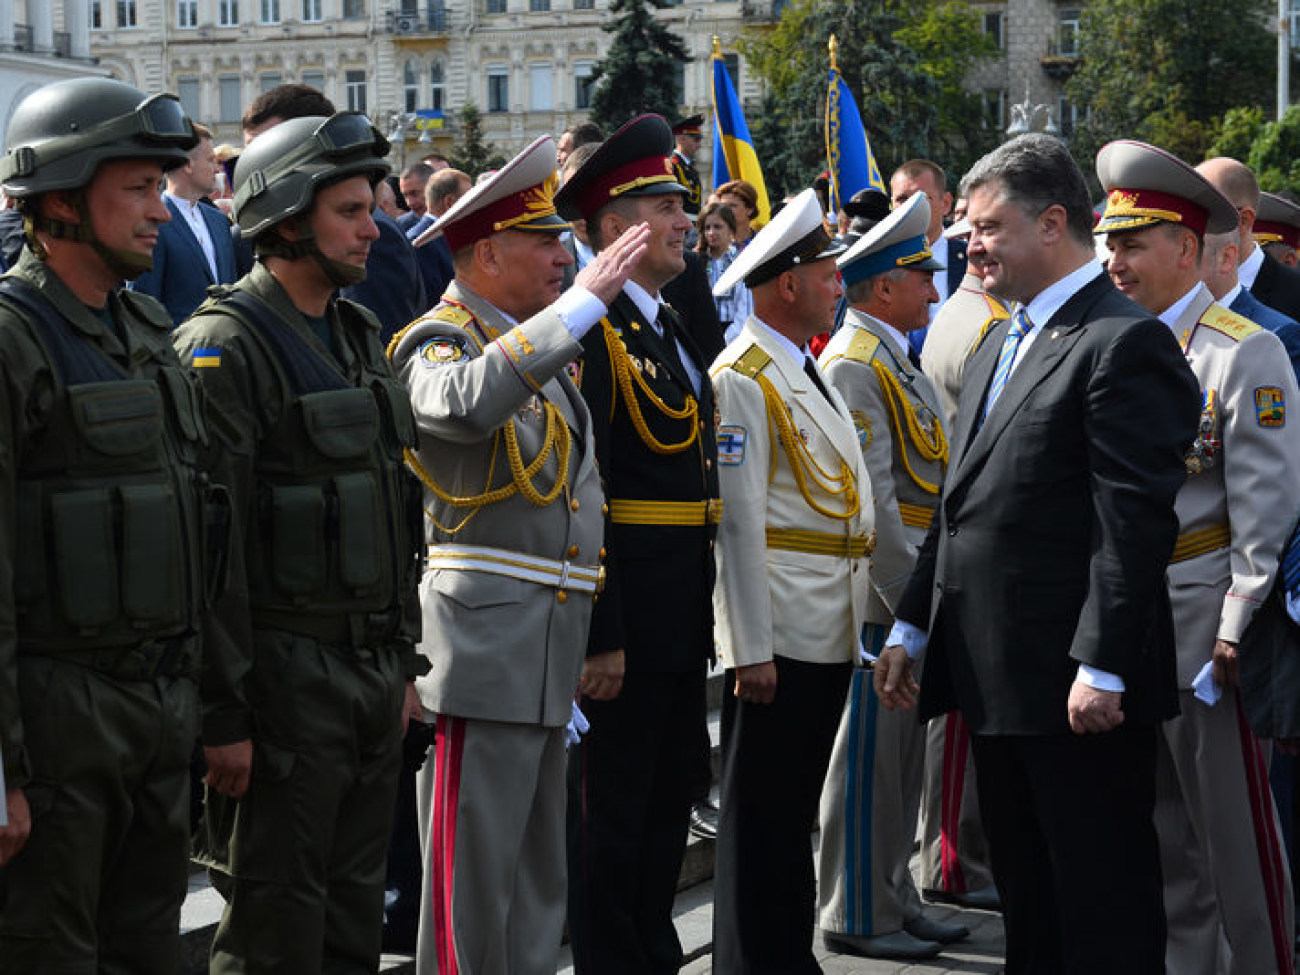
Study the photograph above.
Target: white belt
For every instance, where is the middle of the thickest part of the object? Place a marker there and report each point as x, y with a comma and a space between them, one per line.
517, 565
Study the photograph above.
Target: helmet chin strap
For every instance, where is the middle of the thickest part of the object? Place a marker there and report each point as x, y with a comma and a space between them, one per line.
127, 265
340, 273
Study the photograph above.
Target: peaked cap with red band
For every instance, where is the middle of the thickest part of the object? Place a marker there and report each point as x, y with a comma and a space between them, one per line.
1277, 221
518, 196
1146, 185
634, 161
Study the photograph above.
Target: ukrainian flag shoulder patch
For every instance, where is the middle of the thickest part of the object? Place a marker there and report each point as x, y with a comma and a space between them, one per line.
206, 358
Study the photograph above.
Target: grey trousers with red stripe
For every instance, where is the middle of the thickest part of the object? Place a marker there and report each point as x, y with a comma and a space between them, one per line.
491, 807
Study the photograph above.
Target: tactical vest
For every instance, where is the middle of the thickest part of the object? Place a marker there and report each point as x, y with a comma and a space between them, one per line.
119, 537
336, 530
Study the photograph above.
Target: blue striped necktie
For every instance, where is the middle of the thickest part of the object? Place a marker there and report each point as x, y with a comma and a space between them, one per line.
1020, 326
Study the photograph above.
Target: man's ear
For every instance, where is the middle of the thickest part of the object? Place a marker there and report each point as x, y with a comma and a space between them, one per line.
59, 205
1053, 223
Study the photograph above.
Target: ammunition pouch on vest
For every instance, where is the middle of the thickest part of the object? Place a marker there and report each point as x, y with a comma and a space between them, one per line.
337, 531
120, 539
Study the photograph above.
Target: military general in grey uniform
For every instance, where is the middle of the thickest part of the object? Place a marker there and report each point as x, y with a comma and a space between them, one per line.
1227, 890
103, 550
869, 904
311, 649
515, 527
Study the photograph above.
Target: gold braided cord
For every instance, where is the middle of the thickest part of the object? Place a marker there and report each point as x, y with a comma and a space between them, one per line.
557, 438
802, 464
929, 448
625, 376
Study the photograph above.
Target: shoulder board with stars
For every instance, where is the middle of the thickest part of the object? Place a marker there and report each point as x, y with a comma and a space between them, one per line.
1228, 323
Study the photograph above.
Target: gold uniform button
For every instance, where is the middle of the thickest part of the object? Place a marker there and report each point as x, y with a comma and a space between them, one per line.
573, 551
573, 505
561, 596
602, 555
604, 509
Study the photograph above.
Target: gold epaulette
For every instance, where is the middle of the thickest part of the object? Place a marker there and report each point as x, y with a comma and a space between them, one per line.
862, 346
751, 362
997, 313
1227, 322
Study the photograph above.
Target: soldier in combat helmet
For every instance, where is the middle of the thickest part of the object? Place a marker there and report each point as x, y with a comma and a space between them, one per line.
311, 651
104, 563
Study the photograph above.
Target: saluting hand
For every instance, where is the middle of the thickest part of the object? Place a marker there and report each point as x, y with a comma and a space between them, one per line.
895, 685
14, 836
609, 270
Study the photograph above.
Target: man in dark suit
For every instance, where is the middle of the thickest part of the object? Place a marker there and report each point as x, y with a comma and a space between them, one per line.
442, 191
924, 176
1268, 279
194, 249
1068, 450
633, 777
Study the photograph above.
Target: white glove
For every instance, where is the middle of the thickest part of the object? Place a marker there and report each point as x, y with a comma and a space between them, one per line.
577, 727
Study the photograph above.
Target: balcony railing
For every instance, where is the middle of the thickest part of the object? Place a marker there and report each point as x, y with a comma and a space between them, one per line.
430, 21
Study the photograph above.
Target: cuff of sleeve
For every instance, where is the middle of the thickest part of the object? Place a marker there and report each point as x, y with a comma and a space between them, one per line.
579, 309
1236, 615
1102, 680
912, 638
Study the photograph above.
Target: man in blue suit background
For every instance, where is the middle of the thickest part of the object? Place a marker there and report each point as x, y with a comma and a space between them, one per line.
194, 250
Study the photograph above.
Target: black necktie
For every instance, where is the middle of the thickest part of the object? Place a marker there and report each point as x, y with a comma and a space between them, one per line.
913, 358
810, 368
665, 321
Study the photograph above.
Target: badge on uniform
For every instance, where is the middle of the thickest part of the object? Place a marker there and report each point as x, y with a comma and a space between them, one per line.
862, 423
731, 445
206, 359
441, 350
574, 369
1270, 406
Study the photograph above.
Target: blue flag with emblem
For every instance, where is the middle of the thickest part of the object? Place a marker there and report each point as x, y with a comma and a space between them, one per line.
849, 159
733, 149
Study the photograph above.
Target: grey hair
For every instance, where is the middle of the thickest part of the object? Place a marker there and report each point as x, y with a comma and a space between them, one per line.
860, 291
1036, 171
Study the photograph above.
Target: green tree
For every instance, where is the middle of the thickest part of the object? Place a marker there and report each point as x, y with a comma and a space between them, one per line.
472, 155
1240, 128
905, 63
639, 72
1275, 154
1167, 71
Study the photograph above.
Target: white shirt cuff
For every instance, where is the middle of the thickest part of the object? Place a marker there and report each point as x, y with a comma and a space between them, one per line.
579, 309
913, 638
1102, 680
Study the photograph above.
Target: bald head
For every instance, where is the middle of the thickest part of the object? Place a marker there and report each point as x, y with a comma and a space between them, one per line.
1235, 181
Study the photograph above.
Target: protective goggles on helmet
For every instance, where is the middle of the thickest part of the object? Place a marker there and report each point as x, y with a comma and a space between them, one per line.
159, 121
340, 139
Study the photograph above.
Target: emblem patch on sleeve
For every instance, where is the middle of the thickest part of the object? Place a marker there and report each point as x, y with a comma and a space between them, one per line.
731, 445
862, 424
574, 369
1270, 406
209, 358
441, 350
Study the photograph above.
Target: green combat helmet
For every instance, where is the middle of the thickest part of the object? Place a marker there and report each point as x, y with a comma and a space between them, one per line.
59, 135
280, 173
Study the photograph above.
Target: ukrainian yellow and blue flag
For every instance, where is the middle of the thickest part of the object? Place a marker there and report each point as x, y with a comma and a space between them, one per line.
209, 358
848, 151
733, 150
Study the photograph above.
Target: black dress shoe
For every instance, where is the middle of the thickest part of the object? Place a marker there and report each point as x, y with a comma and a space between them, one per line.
899, 945
984, 899
928, 929
704, 820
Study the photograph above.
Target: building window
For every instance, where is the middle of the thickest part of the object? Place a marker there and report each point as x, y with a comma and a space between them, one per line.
995, 109
993, 26
269, 80
582, 84
126, 13
269, 12
437, 86
1067, 33
498, 88
96, 14
311, 11
232, 105
495, 6
539, 5
354, 9
227, 13
679, 82
1293, 18
584, 4
355, 83
187, 13
411, 86
1069, 113
732, 63
187, 90
541, 95
314, 79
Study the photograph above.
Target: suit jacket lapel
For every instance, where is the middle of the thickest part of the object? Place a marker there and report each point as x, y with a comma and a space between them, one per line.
217, 225
187, 234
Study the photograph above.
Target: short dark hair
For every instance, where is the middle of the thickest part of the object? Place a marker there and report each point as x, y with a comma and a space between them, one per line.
1036, 171
286, 102
583, 132
421, 171
915, 167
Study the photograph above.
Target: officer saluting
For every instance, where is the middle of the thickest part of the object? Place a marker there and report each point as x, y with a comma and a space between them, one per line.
514, 529
688, 133
312, 646
102, 575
